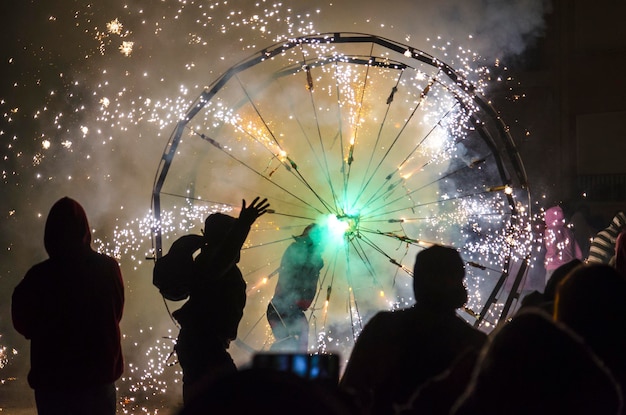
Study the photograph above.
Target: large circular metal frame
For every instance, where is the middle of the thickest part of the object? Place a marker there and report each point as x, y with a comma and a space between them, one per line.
387, 145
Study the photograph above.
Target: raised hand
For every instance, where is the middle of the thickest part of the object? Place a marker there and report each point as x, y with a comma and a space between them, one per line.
250, 213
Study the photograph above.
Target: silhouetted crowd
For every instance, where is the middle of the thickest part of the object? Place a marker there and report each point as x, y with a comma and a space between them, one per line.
563, 351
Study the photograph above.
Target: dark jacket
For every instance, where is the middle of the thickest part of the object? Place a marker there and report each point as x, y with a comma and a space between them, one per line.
215, 306
70, 305
399, 351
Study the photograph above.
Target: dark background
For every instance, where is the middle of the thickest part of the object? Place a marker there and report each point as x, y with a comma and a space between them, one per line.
570, 119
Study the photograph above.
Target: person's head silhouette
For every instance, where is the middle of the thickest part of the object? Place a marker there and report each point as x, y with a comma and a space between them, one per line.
312, 235
216, 228
217, 225
438, 278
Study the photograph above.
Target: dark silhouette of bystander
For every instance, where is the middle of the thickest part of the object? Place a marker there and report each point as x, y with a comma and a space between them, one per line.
399, 351
534, 365
591, 302
69, 307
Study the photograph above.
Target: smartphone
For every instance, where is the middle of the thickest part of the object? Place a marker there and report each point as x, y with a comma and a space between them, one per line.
316, 367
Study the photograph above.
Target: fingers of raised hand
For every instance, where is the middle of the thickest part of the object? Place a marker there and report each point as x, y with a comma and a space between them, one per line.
254, 210
261, 207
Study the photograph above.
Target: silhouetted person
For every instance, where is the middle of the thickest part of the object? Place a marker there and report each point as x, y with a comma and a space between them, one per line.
69, 307
559, 240
591, 302
210, 318
295, 290
602, 247
534, 366
398, 351
545, 300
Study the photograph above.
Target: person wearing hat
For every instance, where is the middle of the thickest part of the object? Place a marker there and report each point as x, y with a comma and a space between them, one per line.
398, 351
295, 290
210, 318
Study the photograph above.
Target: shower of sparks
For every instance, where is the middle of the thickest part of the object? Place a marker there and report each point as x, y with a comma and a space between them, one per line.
152, 384
4, 359
115, 27
126, 48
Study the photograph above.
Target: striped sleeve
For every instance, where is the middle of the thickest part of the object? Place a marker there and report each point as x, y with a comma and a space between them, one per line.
602, 248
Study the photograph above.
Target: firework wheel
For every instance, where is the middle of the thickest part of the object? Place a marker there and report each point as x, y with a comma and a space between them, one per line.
387, 146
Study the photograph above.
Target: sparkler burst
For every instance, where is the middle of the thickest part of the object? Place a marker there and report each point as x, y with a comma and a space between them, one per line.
389, 148
385, 143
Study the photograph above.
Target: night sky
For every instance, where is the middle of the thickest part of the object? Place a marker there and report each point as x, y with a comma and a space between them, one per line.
90, 93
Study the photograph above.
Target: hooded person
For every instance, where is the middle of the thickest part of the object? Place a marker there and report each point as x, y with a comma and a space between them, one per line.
559, 240
69, 307
602, 247
398, 351
295, 290
209, 320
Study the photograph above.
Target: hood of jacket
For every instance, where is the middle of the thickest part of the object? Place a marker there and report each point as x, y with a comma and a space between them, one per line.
554, 217
67, 229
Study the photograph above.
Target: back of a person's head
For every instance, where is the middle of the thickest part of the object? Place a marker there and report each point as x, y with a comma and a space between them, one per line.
313, 233
557, 276
545, 301
438, 278
534, 365
67, 228
591, 301
217, 225
309, 230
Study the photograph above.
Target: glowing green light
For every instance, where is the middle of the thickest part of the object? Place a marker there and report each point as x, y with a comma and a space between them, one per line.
342, 227
337, 228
